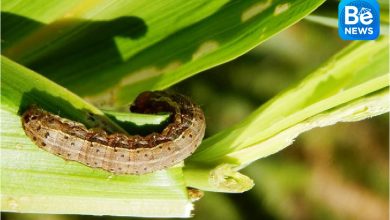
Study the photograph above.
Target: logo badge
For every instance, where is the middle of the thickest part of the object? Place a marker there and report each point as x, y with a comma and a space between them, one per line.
359, 19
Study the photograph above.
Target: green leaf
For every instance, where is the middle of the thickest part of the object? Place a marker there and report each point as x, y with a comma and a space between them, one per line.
88, 47
352, 85
34, 180
169, 41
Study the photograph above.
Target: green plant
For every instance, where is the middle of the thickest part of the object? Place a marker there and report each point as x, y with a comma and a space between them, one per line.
170, 41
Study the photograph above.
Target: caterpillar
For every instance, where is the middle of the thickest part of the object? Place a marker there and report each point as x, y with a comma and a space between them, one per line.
121, 153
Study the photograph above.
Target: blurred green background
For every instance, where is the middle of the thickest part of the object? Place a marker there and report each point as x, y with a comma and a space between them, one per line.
337, 172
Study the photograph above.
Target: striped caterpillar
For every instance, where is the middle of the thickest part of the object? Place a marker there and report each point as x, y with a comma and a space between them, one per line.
121, 153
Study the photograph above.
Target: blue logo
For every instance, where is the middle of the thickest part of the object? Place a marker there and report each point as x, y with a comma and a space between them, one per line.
359, 19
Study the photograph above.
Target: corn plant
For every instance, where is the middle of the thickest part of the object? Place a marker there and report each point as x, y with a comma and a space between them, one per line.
74, 57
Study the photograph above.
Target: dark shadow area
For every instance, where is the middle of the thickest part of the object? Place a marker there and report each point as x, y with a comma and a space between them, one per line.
90, 34
92, 37
13, 27
65, 48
